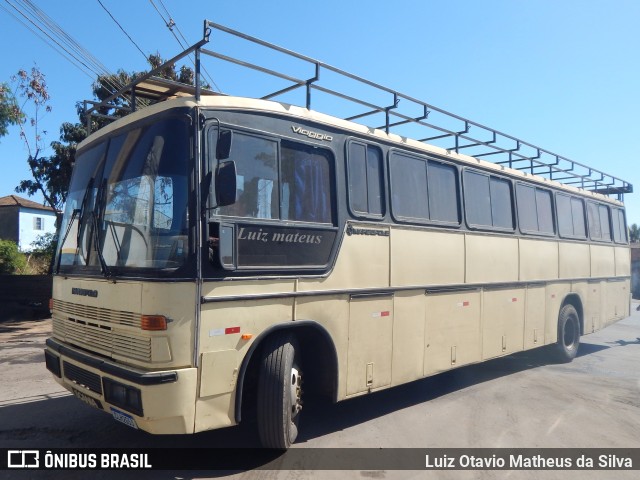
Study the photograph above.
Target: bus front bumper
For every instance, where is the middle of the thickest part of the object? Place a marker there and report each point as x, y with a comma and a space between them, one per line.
156, 402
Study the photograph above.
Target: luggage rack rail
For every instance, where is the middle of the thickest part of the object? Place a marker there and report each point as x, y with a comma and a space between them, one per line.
450, 131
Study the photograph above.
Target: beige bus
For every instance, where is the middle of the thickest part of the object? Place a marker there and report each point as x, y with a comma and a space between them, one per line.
219, 254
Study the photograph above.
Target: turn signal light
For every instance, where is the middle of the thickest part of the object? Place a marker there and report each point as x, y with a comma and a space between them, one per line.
153, 322
246, 336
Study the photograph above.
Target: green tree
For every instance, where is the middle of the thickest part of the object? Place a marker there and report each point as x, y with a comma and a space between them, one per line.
45, 244
10, 113
32, 87
51, 174
11, 259
634, 233
43, 250
106, 85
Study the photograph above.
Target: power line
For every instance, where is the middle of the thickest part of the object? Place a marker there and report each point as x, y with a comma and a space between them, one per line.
174, 24
123, 30
60, 52
171, 24
62, 36
62, 42
78, 63
99, 69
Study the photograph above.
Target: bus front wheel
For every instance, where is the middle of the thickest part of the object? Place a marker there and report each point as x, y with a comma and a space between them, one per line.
279, 392
568, 334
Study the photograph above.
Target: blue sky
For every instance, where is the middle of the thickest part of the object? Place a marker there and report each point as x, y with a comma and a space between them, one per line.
562, 74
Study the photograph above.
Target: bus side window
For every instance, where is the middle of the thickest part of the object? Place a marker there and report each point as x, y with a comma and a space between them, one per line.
306, 184
534, 209
366, 184
256, 161
619, 225
570, 217
599, 225
488, 200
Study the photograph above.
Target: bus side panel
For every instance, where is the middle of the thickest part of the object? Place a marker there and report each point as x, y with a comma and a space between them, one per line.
617, 306
223, 323
502, 322
555, 295
332, 312
590, 305
363, 339
370, 348
453, 335
602, 261
623, 261
534, 317
409, 310
595, 301
222, 350
491, 259
622, 290
538, 260
426, 258
246, 287
574, 260
363, 262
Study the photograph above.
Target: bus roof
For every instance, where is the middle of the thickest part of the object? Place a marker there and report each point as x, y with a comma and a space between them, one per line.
432, 129
349, 127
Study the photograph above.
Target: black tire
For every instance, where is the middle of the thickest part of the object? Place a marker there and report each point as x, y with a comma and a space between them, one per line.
568, 334
279, 392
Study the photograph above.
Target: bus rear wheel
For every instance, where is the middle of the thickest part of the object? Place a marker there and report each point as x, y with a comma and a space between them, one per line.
568, 334
279, 392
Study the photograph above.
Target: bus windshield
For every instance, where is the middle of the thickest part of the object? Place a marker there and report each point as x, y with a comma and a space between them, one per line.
127, 203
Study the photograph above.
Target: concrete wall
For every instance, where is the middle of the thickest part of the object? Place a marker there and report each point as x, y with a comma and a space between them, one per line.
24, 296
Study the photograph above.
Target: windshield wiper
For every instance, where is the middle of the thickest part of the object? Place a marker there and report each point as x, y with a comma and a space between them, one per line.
76, 214
96, 235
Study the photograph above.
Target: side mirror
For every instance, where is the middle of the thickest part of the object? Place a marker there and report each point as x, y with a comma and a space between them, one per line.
223, 146
226, 184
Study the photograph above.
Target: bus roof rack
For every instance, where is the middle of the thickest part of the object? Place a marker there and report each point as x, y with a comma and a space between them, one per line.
395, 112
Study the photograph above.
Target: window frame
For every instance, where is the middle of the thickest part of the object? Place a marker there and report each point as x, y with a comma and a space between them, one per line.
490, 228
382, 179
608, 209
212, 163
424, 221
552, 210
100, 146
622, 228
585, 220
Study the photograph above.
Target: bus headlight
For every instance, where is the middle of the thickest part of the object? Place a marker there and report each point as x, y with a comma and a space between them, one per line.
124, 396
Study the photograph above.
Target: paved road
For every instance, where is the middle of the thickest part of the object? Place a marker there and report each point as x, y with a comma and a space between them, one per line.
516, 401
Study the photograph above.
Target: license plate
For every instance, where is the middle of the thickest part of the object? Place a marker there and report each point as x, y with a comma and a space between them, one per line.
124, 418
92, 402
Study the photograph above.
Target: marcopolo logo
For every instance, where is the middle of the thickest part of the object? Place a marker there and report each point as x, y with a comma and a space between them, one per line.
23, 459
84, 292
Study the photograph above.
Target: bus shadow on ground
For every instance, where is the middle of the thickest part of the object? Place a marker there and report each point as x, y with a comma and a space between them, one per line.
322, 418
64, 422
624, 343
